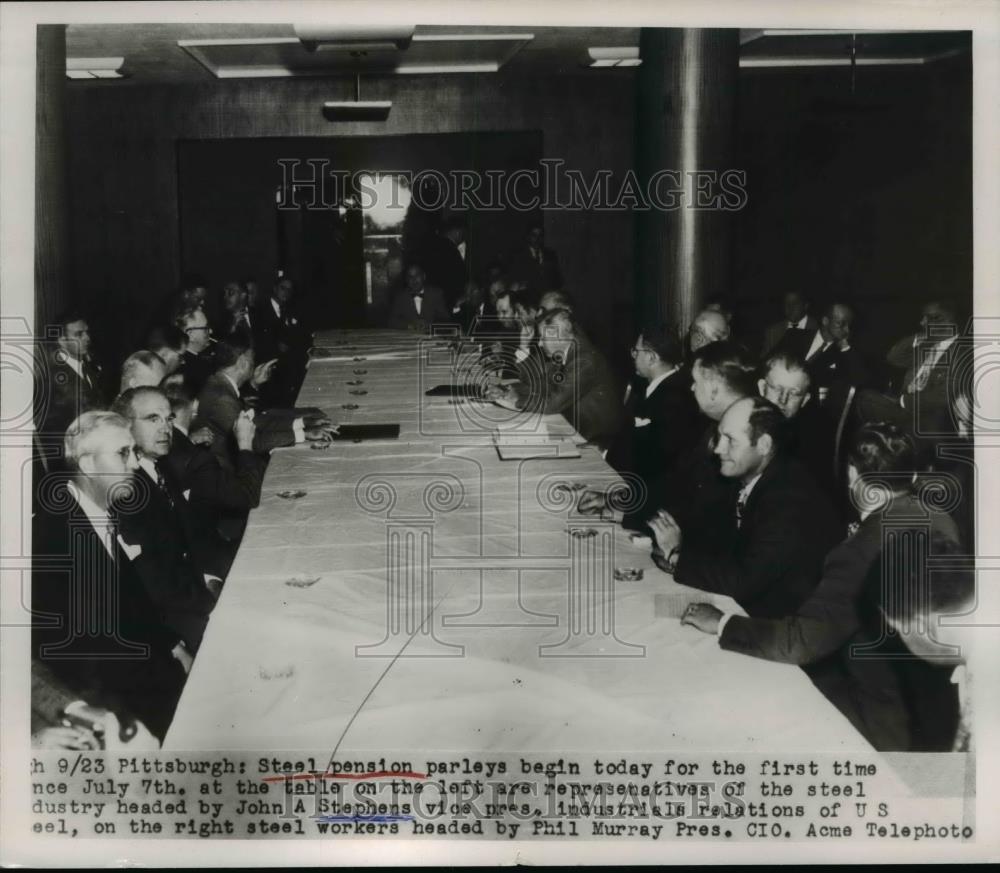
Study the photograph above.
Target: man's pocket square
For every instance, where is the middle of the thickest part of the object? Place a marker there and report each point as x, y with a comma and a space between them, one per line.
131, 552
642, 422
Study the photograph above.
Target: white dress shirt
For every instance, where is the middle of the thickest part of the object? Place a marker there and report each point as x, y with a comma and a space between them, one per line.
98, 518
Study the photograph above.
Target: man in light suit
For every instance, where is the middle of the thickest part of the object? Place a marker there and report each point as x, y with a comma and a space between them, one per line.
923, 406
783, 524
93, 624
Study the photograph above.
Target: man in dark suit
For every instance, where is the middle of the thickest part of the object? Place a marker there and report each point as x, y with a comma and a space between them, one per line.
534, 264
811, 428
196, 362
418, 306
576, 382
71, 382
235, 316
169, 343
182, 564
784, 525
830, 357
662, 419
278, 331
692, 490
93, 623
220, 497
445, 259
220, 404
278, 334
898, 703
709, 326
797, 317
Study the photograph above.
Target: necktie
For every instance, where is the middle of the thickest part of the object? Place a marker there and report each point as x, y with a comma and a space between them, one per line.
741, 504
161, 483
111, 531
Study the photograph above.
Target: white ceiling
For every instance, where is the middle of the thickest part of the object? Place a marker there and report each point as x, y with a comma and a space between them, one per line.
153, 52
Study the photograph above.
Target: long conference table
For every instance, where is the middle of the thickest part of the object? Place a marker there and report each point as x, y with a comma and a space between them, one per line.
423, 594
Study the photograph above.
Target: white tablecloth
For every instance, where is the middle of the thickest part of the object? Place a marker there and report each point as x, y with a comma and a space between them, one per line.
518, 653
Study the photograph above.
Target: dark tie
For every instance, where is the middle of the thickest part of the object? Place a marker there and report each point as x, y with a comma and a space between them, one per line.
741, 504
161, 483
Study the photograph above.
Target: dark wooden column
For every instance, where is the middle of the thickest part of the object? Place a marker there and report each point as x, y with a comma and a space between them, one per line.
52, 256
686, 101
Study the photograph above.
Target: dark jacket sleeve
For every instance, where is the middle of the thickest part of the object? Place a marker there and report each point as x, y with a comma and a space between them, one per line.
214, 484
745, 575
901, 353
824, 622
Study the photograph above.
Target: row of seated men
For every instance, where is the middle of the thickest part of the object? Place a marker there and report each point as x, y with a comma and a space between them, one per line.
140, 512
736, 482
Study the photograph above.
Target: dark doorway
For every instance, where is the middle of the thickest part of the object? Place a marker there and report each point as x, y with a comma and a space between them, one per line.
343, 257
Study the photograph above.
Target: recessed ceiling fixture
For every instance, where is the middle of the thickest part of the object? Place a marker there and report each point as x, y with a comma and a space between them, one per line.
357, 109
320, 37
614, 56
95, 68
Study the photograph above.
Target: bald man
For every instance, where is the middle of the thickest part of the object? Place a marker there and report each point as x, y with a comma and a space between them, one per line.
709, 326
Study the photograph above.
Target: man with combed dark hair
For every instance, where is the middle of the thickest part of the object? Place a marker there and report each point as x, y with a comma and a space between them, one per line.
170, 343
829, 355
181, 565
71, 382
898, 702
220, 404
576, 381
782, 524
220, 497
692, 489
661, 415
94, 625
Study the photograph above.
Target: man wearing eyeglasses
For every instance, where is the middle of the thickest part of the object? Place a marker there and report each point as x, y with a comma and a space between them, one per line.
196, 362
179, 564
786, 383
94, 625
